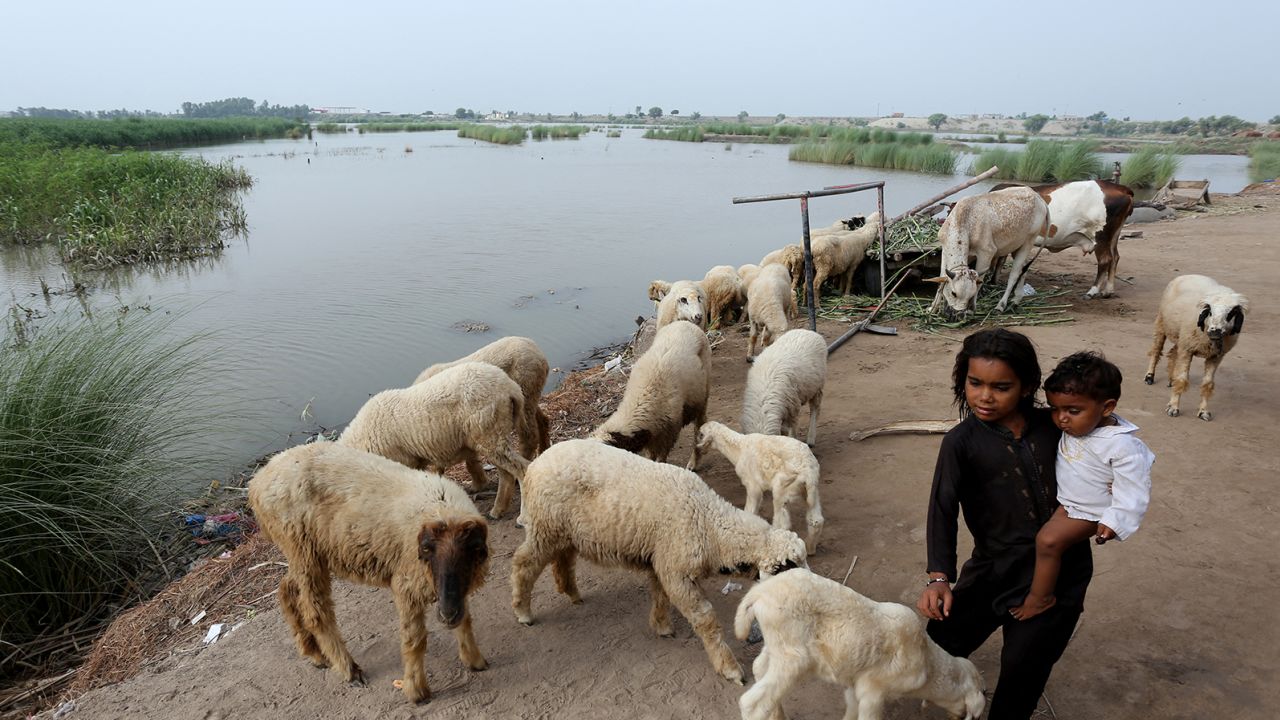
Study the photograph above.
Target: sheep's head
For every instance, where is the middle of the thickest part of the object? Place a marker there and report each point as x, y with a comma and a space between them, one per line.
1222, 315
959, 290
705, 432
691, 303
854, 222
658, 289
969, 689
782, 550
793, 260
457, 552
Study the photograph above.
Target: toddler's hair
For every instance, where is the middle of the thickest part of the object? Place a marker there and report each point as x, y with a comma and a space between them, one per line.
1086, 373
1013, 348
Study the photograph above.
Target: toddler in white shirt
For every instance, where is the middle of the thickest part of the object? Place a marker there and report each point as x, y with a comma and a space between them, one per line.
1103, 470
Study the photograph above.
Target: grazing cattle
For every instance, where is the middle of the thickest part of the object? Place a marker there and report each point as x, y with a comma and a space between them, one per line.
1083, 208
1003, 222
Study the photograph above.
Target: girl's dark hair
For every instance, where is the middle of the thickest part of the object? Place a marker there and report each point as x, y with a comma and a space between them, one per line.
1013, 348
1088, 374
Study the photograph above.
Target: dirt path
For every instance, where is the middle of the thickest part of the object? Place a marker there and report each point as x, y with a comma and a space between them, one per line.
1180, 620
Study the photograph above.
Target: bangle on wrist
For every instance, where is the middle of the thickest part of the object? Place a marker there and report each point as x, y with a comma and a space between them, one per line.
931, 581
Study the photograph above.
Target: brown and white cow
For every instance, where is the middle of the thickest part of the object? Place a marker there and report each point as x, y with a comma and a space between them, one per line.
1087, 213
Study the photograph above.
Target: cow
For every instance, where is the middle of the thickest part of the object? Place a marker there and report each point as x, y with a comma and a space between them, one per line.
1085, 213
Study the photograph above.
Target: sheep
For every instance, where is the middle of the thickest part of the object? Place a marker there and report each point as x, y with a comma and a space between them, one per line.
335, 510
724, 291
522, 360
618, 509
685, 300
1201, 317
877, 650
787, 375
464, 413
789, 256
657, 290
668, 389
770, 305
839, 253
774, 463
747, 273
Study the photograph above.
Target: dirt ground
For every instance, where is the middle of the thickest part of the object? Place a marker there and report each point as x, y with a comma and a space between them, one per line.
1179, 622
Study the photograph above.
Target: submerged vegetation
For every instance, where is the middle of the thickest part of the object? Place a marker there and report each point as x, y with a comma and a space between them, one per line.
1264, 161
879, 149
513, 135
1042, 161
143, 133
97, 421
1150, 166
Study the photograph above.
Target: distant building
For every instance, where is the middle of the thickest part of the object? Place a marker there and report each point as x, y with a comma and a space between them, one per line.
896, 115
340, 110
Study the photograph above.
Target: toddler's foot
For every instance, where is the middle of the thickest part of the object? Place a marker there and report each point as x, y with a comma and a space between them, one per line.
1033, 606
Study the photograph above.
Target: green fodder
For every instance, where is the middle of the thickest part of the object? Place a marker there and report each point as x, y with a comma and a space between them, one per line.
922, 157
98, 424
1150, 166
388, 127
105, 209
557, 132
1264, 161
512, 135
1046, 307
142, 132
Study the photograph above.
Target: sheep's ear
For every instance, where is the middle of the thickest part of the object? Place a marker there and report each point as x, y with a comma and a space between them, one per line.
1236, 318
1204, 315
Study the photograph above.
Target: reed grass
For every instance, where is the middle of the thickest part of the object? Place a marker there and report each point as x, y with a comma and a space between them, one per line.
1042, 161
386, 127
104, 208
1264, 161
923, 157
557, 132
98, 423
1150, 166
512, 135
142, 133
330, 127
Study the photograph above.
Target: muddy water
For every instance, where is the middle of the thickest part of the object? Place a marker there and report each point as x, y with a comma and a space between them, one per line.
363, 258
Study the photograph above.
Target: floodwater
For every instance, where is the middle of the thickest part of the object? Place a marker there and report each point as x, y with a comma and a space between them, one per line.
364, 258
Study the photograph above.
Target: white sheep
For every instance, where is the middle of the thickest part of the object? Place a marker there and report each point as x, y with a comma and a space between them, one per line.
618, 509
668, 389
771, 463
747, 273
877, 651
839, 253
788, 374
335, 510
522, 360
1202, 317
724, 291
770, 305
789, 256
684, 300
657, 290
462, 414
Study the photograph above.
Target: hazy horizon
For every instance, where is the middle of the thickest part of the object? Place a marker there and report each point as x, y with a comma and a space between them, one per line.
823, 58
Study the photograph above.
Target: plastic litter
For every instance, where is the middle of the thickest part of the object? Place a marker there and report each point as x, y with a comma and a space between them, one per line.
207, 528
64, 709
729, 587
199, 616
612, 364
1027, 290
215, 632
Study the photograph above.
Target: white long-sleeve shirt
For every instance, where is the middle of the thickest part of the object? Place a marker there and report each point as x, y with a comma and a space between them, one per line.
1105, 476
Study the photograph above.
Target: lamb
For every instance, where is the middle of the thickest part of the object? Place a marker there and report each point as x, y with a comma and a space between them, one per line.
774, 463
747, 273
336, 510
770, 304
724, 291
668, 389
787, 375
839, 253
877, 650
618, 509
789, 256
685, 300
522, 360
1201, 317
462, 414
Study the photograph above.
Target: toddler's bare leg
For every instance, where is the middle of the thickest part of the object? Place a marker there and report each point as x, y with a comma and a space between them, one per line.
1060, 533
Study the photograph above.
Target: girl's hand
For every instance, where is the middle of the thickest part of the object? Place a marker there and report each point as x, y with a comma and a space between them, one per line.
935, 601
1104, 534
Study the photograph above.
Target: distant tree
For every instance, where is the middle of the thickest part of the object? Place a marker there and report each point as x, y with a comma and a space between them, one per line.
612, 117
696, 115
460, 113
781, 117
674, 112
44, 112
429, 113
1021, 116
639, 111
937, 119
901, 125
1275, 120
742, 116
548, 117
1099, 116
242, 107
655, 112
1035, 123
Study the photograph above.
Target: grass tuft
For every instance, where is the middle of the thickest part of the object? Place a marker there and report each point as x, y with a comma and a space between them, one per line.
1150, 166
512, 135
1264, 161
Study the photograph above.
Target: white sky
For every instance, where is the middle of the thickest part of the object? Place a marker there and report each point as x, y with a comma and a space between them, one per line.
826, 58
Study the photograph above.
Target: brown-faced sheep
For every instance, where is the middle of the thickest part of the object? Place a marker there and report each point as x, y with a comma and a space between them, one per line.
618, 509
461, 415
770, 305
668, 389
685, 300
658, 290
335, 510
787, 375
725, 293
522, 360
1201, 317
878, 651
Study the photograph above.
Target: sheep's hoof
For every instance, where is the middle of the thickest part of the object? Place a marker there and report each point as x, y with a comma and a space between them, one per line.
1149, 379
1205, 415
480, 666
1171, 411
355, 676
418, 696
526, 620
750, 359
734, 675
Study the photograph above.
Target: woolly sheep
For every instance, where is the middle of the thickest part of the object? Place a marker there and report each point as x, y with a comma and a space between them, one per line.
747, 273
771, 463
724, 292
685, 300
790, 257
877, 650
770, 305
787, 375
522, 360
335, 510
618, 509
839, 253
668, 389
1201, 317
657, 290
462, 414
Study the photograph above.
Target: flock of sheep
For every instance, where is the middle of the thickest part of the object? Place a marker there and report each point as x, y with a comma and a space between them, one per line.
373, 508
